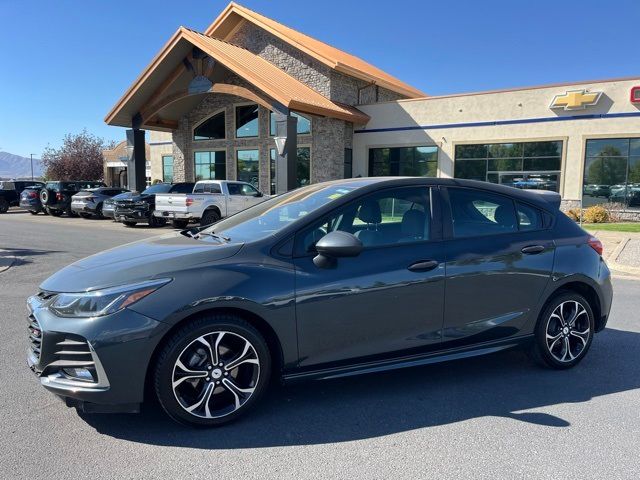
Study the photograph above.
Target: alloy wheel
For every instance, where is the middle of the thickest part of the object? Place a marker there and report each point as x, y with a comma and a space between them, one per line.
215, 374
568, 331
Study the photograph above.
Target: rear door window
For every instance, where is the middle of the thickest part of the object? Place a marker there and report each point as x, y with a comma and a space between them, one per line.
182, 188
477, 213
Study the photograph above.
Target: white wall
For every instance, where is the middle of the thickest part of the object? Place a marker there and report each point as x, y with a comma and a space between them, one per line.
525, 104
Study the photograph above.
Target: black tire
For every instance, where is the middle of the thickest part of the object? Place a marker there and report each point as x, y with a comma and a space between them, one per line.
237, 332
129, 224
155, 222
45, 210
53, 212
209, 217
4, 206
85, 215
99, 211
181, 224
70, 213
33, 212
551, 351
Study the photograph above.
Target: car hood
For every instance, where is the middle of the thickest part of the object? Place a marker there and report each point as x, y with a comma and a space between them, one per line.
147, 259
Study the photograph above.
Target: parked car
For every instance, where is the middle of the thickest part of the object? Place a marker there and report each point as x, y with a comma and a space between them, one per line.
109, 207
139, 208
596, 190
210, 201
627, 194
329, 280
10, 192
55, 197
30, 200
90, 202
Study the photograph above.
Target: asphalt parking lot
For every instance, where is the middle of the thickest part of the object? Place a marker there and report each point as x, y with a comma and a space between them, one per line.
498, 416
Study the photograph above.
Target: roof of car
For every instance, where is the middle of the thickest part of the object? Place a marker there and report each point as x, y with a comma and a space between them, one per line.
543, 198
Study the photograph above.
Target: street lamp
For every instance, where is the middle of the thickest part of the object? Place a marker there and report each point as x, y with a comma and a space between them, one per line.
32, 167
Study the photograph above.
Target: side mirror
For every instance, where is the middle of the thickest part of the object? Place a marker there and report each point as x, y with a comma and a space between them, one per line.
259, 194
335, 245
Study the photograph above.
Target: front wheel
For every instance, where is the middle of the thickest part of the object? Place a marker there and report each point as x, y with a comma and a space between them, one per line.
212, 370
4, 206
155, 222
209, 217
181, 224
129, 224
564, 331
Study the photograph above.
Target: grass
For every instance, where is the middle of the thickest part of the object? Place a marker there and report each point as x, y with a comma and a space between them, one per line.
613, 227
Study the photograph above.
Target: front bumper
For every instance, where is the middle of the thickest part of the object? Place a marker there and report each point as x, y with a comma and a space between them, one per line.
115, 349
132, 215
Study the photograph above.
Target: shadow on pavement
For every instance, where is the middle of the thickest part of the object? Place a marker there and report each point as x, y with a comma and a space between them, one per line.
500, 385
22, 255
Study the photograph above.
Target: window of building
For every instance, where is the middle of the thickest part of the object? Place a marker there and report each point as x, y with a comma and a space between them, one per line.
348, 163
247, 121
403, 161
531, 165
210, 165
303, 125
248, 166
303, 168
476, 213
167, 168
211, 129
612, 172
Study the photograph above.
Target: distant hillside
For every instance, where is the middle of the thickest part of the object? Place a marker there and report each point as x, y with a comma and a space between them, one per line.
15, 166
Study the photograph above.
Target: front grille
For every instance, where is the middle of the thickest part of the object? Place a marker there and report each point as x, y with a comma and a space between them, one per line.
35, 338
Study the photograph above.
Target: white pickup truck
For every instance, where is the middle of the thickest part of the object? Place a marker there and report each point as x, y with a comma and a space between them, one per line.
210, 201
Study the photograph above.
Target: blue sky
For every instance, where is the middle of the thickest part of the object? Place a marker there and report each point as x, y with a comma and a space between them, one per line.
64, 63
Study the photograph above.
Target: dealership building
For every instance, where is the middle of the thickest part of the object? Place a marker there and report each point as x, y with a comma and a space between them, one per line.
254, 100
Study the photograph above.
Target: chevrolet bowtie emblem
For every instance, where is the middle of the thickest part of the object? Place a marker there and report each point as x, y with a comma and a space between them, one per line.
575, 100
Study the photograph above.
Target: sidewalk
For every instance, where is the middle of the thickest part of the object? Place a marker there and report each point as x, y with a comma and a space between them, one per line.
621, 251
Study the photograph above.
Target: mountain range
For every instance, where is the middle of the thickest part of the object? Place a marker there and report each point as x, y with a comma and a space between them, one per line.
15, 166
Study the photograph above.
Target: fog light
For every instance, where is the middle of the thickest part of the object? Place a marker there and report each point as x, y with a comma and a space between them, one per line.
79, 373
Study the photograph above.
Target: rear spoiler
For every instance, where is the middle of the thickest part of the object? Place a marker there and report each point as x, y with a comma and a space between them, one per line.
552, 198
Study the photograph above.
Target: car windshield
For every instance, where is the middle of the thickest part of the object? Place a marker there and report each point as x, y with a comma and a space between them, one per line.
274, 214
157, 188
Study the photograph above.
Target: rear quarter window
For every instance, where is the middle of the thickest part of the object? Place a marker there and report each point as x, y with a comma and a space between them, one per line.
529, 218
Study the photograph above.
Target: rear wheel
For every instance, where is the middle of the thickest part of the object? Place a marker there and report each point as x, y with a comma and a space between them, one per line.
54, 212
209, 217
4, 205
129, 224
181, 224
564, 331
212, 370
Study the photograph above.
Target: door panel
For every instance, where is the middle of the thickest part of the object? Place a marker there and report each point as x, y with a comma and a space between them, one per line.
493, 287
371, 304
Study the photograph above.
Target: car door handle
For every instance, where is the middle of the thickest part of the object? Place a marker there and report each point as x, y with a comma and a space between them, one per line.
533, 249
423, 266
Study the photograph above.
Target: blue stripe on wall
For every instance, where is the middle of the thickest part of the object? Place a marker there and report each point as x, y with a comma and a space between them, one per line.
501, 122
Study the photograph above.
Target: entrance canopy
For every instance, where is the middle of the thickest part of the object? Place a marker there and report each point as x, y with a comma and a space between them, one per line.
192, 65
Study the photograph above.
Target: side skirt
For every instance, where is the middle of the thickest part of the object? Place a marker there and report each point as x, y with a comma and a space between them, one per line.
404, 362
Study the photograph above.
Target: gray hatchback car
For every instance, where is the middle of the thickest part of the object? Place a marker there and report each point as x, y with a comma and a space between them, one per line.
330, 280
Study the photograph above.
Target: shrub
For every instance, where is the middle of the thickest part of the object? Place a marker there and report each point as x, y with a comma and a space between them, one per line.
596, 214
573, 214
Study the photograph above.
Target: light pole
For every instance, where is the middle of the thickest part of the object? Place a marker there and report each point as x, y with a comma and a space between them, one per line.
32, 167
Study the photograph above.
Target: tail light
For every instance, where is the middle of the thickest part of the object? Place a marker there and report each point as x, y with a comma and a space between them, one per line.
189, 202
32, 195
59, 196
596, 245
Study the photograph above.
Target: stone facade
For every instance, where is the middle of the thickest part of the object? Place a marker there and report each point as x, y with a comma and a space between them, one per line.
329, 136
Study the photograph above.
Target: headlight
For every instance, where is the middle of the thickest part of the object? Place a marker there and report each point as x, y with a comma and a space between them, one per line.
103, 302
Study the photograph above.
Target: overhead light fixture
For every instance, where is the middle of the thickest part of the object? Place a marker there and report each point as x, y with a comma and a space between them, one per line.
281, 143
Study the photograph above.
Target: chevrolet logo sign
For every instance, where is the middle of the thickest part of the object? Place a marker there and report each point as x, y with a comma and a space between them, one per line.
575, 100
